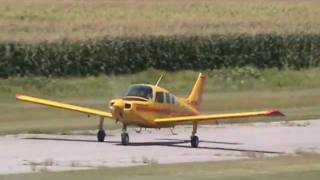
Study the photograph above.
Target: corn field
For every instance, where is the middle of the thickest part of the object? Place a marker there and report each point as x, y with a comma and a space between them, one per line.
170, 53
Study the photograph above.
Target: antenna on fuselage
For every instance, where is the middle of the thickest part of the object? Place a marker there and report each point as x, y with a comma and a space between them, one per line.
160, 78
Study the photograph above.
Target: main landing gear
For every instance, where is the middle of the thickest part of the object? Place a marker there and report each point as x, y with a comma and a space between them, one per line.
194, 138
101, 133
124, 135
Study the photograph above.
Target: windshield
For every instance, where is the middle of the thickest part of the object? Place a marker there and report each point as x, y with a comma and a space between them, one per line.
140, 91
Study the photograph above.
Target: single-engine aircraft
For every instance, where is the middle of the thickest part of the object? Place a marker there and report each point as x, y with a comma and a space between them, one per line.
151, 106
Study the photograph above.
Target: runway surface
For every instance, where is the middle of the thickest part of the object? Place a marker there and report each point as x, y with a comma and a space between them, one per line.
40, 152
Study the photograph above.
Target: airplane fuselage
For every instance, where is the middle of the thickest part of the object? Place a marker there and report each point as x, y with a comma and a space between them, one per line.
138, 111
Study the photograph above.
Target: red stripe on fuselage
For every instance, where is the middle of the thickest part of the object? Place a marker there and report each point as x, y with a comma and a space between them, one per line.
166, 111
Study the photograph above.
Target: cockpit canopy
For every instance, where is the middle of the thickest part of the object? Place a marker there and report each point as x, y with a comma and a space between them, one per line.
142, 91
145, 92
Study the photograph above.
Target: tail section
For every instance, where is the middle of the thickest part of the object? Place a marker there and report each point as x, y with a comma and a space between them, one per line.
195, 96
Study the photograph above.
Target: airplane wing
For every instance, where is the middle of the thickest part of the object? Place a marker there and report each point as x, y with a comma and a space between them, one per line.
60, 105
217, 117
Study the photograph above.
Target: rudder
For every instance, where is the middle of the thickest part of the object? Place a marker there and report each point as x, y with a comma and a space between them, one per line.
195, 96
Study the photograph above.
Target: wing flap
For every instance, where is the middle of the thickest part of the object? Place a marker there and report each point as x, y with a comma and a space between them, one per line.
218, 116
63, 106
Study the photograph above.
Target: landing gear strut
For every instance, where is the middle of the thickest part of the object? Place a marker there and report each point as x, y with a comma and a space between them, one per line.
194, 138
124, 135
101, 133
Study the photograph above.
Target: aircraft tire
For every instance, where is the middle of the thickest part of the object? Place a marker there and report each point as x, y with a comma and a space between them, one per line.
101, 135
194, 141
124, 138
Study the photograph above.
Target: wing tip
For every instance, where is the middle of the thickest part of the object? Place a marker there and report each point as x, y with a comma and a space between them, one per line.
275, 113
18, 96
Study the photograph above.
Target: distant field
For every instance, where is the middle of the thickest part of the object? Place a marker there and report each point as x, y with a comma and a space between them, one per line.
280, 168
38, 20
296, 93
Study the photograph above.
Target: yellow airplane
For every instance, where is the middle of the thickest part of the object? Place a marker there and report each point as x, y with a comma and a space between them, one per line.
151, 106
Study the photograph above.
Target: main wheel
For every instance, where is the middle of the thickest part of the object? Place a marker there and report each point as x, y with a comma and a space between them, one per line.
124, 138
194, 141
101, 135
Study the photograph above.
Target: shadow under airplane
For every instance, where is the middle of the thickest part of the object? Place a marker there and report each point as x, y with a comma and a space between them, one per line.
170, 143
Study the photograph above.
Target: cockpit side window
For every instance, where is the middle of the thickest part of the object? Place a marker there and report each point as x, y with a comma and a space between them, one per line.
159, 97
167, 95
173, 99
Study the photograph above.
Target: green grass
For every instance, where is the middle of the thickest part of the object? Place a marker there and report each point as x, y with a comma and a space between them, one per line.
280, 168
181, 82
39, 20
296, 93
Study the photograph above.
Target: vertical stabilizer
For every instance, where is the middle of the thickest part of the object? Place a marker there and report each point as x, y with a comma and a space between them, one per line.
195, 96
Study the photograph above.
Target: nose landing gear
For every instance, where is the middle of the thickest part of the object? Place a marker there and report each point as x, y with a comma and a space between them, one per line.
124, 138
124, 135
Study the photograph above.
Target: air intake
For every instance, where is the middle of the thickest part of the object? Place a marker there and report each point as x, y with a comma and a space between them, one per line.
127, 106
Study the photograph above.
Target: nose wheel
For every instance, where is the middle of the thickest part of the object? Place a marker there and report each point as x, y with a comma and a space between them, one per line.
124, 138
124, 135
